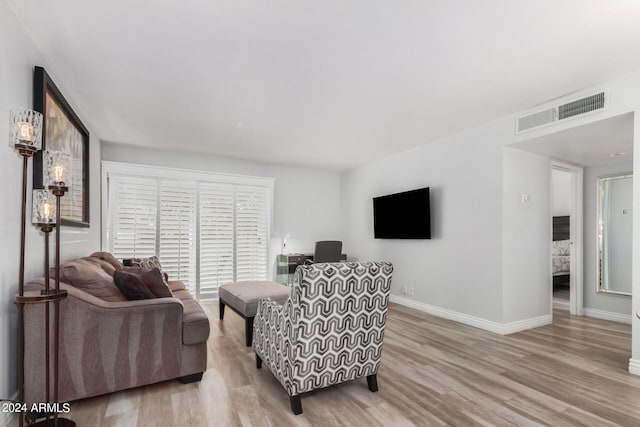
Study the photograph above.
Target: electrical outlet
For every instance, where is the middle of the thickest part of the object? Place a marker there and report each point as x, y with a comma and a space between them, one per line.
404, 290
410, 292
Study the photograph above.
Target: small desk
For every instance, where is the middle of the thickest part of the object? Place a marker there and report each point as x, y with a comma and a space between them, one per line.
287, 264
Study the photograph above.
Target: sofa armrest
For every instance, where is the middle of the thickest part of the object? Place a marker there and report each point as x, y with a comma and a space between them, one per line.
268, 321
273, 340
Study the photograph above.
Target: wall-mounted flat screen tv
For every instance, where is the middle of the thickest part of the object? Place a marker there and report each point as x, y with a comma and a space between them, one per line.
404, 215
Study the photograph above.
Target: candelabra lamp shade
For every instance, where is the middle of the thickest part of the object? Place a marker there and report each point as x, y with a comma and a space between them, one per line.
25, 130
56, 169
44, 208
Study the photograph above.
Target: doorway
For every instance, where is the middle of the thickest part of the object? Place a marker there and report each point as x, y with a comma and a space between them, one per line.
601, 147
566, 252
567, 207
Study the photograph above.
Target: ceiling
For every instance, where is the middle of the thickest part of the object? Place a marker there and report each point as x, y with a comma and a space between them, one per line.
328, 83
596, 143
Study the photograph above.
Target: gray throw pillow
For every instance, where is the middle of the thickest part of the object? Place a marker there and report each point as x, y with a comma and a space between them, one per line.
131, 286
153, 280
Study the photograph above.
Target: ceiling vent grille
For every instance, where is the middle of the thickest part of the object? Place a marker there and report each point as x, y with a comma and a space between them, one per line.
561, 112
536, 119
581, 106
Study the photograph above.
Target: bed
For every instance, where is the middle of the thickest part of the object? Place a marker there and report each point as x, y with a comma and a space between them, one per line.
561, 248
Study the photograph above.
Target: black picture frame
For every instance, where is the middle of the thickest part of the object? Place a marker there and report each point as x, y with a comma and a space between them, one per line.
67, 133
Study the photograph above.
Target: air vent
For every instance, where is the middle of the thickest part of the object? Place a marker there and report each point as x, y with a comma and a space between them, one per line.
581, 106
536, 119
561, 112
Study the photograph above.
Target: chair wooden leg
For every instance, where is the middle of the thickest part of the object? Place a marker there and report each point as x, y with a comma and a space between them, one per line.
296, 405
248, 331
372, 382
221, 308
258, 361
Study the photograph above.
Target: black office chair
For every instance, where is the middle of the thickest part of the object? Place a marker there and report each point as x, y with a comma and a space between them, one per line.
327, 251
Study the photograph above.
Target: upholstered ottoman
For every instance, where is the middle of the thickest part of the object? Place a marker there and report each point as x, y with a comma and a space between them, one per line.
243, 297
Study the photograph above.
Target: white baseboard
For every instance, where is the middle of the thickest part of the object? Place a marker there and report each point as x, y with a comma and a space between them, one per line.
634, 366
478, 322
607, 315
7, 417
523, 325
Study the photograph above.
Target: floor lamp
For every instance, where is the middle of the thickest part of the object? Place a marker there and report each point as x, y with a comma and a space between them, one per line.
44, 216
55, 174
25, 136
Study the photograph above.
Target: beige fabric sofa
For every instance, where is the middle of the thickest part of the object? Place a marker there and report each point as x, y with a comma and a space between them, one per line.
114, 344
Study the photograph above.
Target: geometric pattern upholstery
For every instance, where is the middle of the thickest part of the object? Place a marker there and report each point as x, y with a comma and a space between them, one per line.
331, 328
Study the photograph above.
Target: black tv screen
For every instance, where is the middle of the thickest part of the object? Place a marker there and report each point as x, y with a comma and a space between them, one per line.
402, 215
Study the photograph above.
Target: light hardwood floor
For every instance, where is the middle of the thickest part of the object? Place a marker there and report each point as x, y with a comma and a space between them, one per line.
434, 372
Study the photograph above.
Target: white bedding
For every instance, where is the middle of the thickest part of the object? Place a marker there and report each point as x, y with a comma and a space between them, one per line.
560, 256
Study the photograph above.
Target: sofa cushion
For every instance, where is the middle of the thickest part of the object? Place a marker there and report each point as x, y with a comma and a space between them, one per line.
195, 326
153, 279
176, 285
108, 257
91, 278
132, 286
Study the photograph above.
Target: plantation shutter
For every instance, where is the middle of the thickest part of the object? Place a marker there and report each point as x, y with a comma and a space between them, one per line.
207, 229
132, 216
216, 236
177, 231
251, 233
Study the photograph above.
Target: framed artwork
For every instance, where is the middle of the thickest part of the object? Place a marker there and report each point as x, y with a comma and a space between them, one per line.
62, 130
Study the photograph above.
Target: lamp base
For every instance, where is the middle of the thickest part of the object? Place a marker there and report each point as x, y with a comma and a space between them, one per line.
62, 422
25, 150
58, 190
47, 227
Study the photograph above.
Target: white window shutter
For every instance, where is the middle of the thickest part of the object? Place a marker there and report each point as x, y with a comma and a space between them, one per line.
133, 211
206, 230
252, 227
177, 231
216, 236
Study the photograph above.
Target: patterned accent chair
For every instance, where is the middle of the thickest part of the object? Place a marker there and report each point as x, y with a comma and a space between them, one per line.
329, 331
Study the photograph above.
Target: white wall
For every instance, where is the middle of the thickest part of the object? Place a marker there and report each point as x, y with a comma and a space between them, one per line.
526, 226
459, 269
561, 193
306, 200
18, 56
592, 299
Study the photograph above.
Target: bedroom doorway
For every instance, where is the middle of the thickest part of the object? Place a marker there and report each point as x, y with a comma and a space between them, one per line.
566, 252
561, 238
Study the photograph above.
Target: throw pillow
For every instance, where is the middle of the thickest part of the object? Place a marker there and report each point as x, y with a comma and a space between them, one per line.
105, 265
131, 286
108, 257
153, 280
147, 264
89, 277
